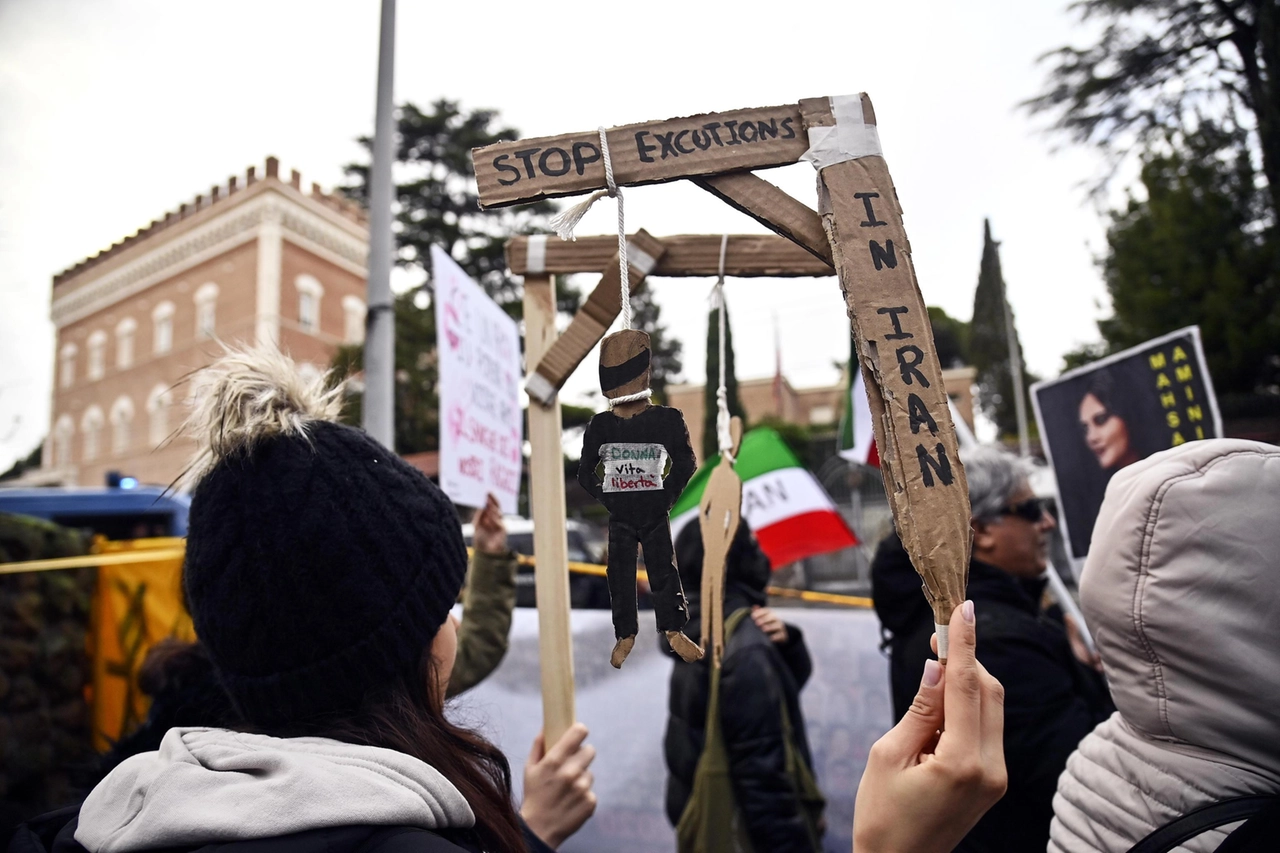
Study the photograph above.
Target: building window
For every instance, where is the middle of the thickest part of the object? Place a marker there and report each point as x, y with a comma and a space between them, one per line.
121, 425
206, 310
124, 343
91, 426
158, 403
353, 319
60, 451
97, 348
309, 293
162, 328
67, 370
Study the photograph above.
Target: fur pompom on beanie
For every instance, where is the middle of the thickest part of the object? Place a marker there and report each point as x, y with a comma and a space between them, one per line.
319, 564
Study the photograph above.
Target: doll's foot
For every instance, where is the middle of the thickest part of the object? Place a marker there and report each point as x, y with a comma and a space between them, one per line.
621, 649
688, 650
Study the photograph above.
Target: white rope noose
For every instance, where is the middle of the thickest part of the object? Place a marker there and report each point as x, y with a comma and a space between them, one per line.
566, 221
724, 437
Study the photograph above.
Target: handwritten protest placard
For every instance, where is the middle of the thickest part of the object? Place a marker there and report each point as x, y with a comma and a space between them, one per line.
480, 427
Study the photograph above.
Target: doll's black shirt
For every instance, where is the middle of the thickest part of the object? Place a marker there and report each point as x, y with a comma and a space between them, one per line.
655, 425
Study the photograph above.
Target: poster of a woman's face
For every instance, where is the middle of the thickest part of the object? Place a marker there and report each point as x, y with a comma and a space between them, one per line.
1099, 418
1103, 425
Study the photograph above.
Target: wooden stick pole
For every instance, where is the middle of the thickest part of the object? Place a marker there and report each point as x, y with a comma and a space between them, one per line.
547, 506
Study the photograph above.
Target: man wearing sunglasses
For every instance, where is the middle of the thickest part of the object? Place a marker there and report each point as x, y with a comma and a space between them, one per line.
1052, 700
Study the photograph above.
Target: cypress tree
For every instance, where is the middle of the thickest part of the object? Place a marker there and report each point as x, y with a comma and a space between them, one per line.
989, 341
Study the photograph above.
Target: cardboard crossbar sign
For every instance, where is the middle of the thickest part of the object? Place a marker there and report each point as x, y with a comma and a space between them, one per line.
644, 153
746, 255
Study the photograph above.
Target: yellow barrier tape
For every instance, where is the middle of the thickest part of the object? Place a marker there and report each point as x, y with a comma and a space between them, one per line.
782, 592
92, 560
595, 569
102, 545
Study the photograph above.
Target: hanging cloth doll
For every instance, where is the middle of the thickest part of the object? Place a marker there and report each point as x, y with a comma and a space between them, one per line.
636, 460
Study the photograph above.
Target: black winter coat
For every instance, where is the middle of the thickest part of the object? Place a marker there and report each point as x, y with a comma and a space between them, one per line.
757, 675
655, 425
1051, 700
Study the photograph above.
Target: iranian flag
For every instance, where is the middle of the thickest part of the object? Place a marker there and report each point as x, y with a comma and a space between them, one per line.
790, 513
857, 440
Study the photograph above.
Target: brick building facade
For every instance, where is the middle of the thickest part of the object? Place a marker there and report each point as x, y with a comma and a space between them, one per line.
247, 263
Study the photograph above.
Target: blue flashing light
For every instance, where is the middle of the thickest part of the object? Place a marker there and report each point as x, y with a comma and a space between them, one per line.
128, 482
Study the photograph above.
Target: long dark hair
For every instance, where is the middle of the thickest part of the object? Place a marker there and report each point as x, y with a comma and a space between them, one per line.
407, 716
1126, 402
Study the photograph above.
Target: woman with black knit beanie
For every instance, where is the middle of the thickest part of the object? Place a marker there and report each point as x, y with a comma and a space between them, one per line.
320, 573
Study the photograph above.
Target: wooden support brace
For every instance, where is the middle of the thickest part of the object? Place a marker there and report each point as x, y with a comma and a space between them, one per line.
771, 207
746, 256
919, 451
547, 506
592, 320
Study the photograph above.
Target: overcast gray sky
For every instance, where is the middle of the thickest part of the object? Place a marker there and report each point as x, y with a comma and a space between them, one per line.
114, 111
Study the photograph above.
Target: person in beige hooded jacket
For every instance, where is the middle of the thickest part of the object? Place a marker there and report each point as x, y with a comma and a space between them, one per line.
1182, 592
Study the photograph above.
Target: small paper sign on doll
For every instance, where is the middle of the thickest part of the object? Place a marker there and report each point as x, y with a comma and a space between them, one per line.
636, 460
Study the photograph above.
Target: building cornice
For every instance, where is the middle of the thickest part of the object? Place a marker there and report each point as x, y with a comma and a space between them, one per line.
322, 238
220, 234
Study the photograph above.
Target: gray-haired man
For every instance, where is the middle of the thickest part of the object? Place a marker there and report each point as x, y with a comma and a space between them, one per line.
1051, 699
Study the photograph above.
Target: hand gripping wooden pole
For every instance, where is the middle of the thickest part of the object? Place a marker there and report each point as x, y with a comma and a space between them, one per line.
547, 506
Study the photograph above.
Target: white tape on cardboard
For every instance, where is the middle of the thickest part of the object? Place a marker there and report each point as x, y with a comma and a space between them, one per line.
540, 388
850, 138
639, 259
536, 263
943, 632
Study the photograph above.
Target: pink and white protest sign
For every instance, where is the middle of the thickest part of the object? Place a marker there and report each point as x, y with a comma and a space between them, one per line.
481, 439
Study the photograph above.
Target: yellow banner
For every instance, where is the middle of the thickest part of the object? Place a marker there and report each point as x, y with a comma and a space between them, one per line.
138, 604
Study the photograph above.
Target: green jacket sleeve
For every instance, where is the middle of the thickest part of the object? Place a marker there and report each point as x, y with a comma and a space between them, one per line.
487, 603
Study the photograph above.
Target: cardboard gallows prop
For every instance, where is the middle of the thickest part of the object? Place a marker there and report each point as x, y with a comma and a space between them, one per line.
861, 220
719, 516
636, 460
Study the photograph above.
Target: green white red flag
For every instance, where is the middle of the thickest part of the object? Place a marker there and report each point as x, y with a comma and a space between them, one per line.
856, 441
791, 514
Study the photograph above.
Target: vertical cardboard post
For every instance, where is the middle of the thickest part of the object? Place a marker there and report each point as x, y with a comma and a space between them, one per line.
719, 515
919, 452
547, 507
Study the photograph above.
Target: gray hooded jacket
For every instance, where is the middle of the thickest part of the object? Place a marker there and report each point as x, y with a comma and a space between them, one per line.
215, 785
1182, 591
